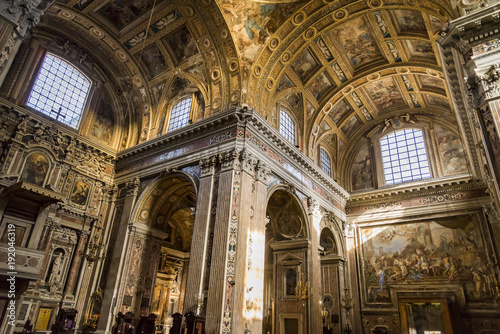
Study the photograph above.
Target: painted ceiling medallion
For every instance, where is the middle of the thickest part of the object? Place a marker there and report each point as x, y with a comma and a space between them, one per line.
298, 18
340, 14
274, 43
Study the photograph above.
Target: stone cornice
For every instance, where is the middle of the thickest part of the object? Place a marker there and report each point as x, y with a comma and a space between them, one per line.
424, 188
182, 136
287, 148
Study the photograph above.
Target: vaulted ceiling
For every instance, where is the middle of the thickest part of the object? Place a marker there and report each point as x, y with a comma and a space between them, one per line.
340, 67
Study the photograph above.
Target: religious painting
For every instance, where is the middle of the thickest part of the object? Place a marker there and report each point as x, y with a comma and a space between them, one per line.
439, 101
102, 127
444, 250
284, 83
352, 124
122, 12
437, 24
324, 49
339, 110
430, 81
80, 193
294, 100
35, 169
324, 127
341, 148
420, 49
385, 93
409, 22
310, 110
451, 151
252, 23
362, 176
291, 282
153, 61
181, 44
304, 65
357, 40
320, 86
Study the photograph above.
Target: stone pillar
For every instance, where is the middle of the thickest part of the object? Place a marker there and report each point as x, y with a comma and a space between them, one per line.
17, 18
75, 266
197, 265
114, 278
314, 266
222, 269
354, 316
255, 315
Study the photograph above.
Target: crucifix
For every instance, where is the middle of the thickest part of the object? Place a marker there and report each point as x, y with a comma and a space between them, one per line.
58, 113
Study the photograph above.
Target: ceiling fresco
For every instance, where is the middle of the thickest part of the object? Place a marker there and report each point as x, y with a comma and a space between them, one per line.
341, 67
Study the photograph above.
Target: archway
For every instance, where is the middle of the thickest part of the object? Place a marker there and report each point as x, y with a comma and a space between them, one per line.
286, 287
167, 212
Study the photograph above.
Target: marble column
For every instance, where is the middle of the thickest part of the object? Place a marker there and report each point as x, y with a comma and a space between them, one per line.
255, 315
121, 240
222, 280
314, 266
197, 265
75, 266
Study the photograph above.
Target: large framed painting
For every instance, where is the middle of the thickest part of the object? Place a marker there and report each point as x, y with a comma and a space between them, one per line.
36, 169
443, 252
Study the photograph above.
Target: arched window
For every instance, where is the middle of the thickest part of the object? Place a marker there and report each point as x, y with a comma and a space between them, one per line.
60, 91
179, 116
326, 163
287, 126
404, 156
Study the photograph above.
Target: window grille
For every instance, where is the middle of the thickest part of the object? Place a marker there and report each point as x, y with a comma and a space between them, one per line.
60, 91
325, 161
287, 126
404, 156
179, 116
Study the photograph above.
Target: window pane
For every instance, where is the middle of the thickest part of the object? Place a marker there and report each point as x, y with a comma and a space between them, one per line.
179, 116
287, 126
406, 158
56, 83
325, 162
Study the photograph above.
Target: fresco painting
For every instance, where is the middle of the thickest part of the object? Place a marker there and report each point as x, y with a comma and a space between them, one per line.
439, 101
356, 99
304, 65
320, 85
153, 60
358, 43
409, 21
35, 169
339, 72
385, 93
102, 126
339, 110
442, 251
362, 177
419, 48
182, 45
323, 128
451, 151
394, 51
407, 82
310, 109
429, 81
284, 83
80, 193
252, 23
351, 124
436, 24
122, 12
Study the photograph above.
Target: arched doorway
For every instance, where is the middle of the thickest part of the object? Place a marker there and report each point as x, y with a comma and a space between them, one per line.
166, 211
286, 277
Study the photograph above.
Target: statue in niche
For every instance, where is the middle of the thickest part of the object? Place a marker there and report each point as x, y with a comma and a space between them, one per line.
55, 273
